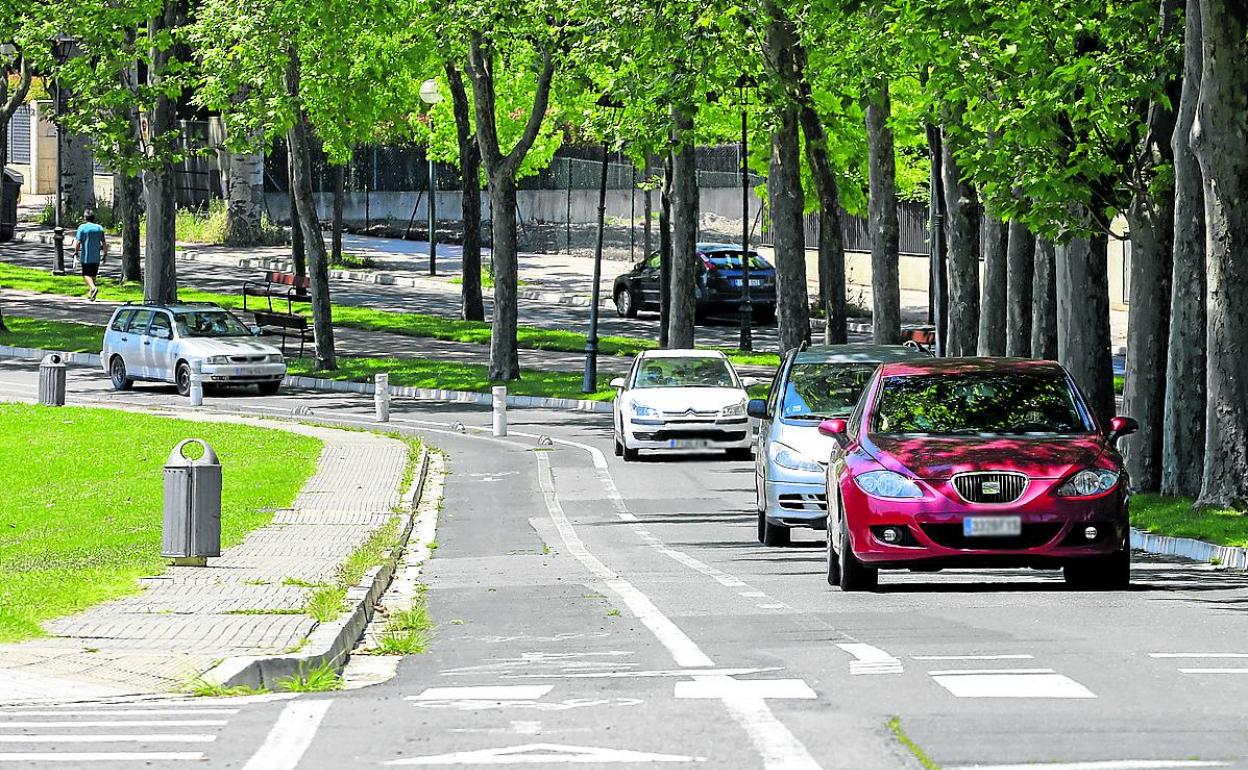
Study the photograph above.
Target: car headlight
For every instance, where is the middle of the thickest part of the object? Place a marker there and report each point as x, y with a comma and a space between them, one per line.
641, 410
888, 484
1089, 482
788, 457
217, 360
275, 358
733, 410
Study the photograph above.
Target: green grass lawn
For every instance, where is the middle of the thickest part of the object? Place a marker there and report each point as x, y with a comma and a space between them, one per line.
52, 335
81, 509
1174, 516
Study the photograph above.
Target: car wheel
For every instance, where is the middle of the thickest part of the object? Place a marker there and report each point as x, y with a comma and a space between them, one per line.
619, 448
855, 576
625, 307
774, 535
117, 373
833, 561
182, 378
629, 455
762, 527
270, 388
1104, 573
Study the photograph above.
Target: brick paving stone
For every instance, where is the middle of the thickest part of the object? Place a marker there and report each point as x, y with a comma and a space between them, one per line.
184, 621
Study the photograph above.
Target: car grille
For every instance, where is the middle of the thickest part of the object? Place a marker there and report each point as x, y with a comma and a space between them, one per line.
692, 415
990, 487
256, 359
1033, 536
804, 502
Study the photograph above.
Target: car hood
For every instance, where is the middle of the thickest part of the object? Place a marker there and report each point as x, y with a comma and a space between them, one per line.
805, 438
225, 346
1040, 457
685, 399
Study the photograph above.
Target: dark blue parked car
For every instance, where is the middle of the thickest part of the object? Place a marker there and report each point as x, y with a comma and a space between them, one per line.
717, 289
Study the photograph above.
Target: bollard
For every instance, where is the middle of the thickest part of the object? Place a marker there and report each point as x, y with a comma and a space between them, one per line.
191, 529
197, 382
500, 410
52, 380
381, 397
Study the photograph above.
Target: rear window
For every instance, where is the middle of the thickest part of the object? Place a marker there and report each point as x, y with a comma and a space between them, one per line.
1014, 403
823, 391
731, 260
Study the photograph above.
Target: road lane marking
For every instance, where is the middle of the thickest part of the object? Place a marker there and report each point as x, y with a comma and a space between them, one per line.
779, 748
1198, 655
116, 712
644, 674
290, 736
79, 738
492, 693
543, 754
118, 723
725, 687
775, 606
116, 756
1013, 685
870, 660
1112, 764
972, 657
991, 671
754, 594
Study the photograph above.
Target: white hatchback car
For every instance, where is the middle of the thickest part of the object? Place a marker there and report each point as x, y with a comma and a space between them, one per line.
681, 400
157, 343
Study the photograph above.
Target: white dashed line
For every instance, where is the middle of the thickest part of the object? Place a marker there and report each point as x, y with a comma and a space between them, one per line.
492, 693
290, 736
1009, 684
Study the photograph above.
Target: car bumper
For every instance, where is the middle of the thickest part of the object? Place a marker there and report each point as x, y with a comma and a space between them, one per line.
247, 374
689, 437
797, 504
1053, 532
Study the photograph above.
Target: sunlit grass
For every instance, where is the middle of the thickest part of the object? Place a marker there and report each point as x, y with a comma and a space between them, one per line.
1175, 517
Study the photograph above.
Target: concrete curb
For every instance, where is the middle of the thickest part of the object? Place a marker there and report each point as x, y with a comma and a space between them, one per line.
1189, 548
329, 643
364, 388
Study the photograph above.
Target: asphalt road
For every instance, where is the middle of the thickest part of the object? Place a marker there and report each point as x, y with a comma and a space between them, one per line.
623, 614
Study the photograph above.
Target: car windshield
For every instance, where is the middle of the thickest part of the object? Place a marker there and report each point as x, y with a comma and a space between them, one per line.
820, 391
731, 260
209, 323
699, 372
971, 404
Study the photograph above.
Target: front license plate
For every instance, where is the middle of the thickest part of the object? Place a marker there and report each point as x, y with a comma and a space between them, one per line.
687, 443
992, 526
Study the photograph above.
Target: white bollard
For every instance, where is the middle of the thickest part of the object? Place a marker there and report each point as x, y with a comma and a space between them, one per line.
381, 397
197, 382
500, 410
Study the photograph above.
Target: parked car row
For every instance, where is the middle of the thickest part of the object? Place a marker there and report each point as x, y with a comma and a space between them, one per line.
908, 462
719, 284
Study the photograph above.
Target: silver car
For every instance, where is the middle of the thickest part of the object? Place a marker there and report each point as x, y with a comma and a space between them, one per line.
157, 343
791, 457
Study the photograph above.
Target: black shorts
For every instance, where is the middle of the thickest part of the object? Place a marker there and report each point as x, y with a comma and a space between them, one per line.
91, 269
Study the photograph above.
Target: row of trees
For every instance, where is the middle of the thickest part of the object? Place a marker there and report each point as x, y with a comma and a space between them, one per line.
1031, 126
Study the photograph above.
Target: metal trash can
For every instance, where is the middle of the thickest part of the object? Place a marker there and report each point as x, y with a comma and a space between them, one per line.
10, 194
192, 515
52, 380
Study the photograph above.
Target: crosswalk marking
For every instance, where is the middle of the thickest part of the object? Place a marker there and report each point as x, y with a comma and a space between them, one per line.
111, 756
92, 738
117, 712
118, 723
1010, 684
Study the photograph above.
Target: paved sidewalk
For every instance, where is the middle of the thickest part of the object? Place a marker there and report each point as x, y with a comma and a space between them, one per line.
185, 621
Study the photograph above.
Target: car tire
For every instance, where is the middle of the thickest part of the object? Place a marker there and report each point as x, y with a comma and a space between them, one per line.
1104, 573
741, 453
619, 448
629, 455
270, 388
833, 561
117, 373
774, 535
182, 378
855, 576
762, 527
625, 303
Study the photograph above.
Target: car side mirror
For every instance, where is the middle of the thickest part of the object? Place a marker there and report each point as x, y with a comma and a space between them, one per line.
254, 329
618, 383
836, 428
757, 408
1121, 426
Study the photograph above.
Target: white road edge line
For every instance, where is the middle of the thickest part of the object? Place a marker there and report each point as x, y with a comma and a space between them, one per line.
1112, 764
290, 736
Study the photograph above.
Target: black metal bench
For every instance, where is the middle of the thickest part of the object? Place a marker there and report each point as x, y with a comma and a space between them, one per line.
285, 325
293, 288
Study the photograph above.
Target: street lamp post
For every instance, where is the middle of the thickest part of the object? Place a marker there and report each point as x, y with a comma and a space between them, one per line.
431, 95
62, 48
589, 383
744, 83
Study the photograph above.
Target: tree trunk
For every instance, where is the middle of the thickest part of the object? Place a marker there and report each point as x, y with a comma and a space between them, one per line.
831, 230
339, 175
786, 201
1019, 271
882, 220
307, 222
665, 251
1044, 302
1220, 142
160, 274
245, 185
504, 358
992, 310
298, 253
472, 305
129, 207
77, 173
1183, 434
962, 236
1083, 341
682, 312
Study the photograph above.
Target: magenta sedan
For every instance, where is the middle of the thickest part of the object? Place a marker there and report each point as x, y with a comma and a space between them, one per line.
976, 462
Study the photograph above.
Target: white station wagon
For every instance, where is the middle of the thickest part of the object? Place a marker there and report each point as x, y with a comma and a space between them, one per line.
157, 343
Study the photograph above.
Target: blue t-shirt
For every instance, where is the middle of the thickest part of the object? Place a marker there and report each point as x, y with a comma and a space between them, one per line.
91, 237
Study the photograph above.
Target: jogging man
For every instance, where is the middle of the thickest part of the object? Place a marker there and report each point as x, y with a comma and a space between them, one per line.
90, 248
